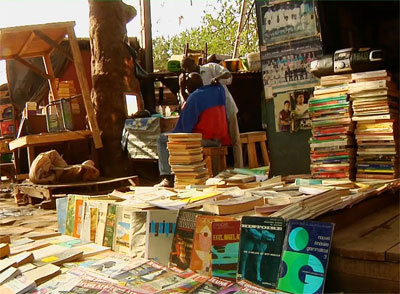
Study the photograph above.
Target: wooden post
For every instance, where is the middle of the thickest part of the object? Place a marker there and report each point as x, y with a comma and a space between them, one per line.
239, 30
146, 34
51, 79
80, 71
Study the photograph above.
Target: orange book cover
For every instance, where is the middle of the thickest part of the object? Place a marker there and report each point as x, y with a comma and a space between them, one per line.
200, 260
78, 218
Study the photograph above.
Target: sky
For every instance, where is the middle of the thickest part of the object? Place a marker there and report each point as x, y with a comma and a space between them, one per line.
169, 17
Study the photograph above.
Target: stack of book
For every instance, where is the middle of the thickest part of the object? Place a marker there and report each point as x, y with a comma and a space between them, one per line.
376, 113
332, 142
186, 159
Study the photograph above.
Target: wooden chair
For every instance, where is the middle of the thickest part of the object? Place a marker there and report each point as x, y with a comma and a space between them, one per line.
201, 54
251, 138
215, 158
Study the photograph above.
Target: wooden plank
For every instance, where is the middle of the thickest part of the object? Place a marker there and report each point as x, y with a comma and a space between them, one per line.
31, 66
50, 73
26, 44
52, 43
31, 155
264, 152
252, 155
80, 71
370, 237
48, 138
42, 27
365, 268
80, 184
393, 254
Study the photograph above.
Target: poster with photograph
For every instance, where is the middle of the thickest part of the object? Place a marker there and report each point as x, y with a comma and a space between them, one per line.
286, 66
284, 21
291, 110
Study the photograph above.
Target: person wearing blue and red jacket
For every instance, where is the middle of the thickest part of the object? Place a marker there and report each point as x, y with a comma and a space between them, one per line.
204, 112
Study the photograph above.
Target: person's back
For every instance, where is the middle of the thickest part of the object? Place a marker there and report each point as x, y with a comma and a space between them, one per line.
205, 113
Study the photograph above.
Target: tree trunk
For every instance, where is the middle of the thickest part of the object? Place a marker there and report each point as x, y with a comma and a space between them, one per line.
112, 75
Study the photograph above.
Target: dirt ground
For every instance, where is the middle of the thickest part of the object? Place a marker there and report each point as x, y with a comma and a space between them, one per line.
20, 221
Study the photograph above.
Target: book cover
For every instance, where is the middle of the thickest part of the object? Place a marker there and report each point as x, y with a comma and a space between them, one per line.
130, 235
109, 230
190, 284
182, 242
101, 225
70, 219
60, 258
9, 274
305, 256
201, 254
43, 273
225, 249
61, 207
261, 242
161, 225
233, 205
78, 216
21, 284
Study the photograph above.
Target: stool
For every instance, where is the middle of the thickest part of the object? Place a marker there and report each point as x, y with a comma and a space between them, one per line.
251, 138
215, 158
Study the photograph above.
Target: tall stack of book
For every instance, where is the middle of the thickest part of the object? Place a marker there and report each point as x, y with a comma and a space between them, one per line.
186, 159
332, 141
376, 113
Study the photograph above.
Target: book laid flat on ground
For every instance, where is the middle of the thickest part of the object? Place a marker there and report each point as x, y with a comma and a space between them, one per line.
225, 249
21, 284
261, 242
161, 225
4, 250
43, 273
182, 242
305, 254
233, 205
60, 258
214, 285
9, 274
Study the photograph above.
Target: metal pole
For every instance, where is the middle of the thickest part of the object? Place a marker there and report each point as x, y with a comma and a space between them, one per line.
239, 30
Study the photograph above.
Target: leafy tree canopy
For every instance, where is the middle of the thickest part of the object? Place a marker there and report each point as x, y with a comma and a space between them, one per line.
218, 32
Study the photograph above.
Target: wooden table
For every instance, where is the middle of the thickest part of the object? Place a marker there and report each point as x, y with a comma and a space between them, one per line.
31, 141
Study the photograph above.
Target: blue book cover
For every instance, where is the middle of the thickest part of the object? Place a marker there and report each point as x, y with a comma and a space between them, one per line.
261, 242
305, 256
61, 206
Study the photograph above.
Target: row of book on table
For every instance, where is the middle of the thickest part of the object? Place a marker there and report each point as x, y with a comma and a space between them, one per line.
355, 127
266, 252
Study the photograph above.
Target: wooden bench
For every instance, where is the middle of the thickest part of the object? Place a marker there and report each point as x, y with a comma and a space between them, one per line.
250, 139
215, 158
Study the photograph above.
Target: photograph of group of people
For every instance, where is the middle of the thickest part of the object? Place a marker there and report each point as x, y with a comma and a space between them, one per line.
286, 69
287, 20
291, 110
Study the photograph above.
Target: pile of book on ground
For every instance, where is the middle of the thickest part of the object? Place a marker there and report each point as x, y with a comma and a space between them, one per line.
208, 254
375, 102
186, 159
332, 141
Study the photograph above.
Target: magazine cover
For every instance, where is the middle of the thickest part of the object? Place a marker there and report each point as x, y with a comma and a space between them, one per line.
261, 242
225, 249
201, 254
305, 256
182, 243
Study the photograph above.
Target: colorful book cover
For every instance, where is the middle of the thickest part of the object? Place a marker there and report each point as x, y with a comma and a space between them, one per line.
261, 242
70, 220
130, 238
225, 249
161, 226
61, 206
187, 285
305, 256
109, 231
182, 242
201, 254
78, 216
